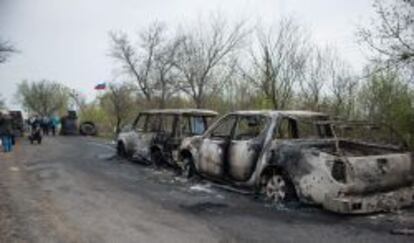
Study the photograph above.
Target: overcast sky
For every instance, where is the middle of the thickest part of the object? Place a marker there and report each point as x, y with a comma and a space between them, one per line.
67, 40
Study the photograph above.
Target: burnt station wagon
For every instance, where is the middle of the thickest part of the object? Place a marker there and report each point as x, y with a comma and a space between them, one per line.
155, 135
288, 155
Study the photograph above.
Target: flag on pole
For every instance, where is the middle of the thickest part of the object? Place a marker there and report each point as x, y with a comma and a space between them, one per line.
101, 86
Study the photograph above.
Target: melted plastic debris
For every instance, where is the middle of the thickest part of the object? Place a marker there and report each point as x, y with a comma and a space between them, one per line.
202, 188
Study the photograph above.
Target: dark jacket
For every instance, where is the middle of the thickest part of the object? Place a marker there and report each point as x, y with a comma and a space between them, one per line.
6, 126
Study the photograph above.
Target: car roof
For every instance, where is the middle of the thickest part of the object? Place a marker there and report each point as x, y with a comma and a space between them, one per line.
273, 113
202, 112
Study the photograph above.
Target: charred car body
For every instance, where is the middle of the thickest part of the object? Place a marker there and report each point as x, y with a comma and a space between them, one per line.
156, 135
297, 155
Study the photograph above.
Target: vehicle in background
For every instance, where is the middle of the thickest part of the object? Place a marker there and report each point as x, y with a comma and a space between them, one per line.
156, 135
17, 123
296, 155
69, 124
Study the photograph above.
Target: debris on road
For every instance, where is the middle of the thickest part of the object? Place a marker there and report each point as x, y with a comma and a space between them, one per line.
14, 168
402, 231
202, 188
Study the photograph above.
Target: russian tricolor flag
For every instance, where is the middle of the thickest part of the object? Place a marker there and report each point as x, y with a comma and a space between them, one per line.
100, 86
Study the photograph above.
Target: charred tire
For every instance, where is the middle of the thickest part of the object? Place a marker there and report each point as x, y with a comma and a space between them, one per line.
157, 158
278, 188
120, 150
88, 129
188, 170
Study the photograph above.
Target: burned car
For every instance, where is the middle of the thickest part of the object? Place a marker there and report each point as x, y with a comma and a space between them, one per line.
296, 155
156, 135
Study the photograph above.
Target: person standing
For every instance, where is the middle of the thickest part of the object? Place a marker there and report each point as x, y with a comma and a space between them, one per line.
45, 125
6, 131
54, 124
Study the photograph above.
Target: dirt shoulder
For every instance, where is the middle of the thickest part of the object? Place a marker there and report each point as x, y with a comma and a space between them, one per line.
8, 221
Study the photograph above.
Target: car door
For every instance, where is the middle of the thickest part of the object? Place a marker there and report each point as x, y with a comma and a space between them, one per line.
132, 136
214, 146
246, 146
166, 137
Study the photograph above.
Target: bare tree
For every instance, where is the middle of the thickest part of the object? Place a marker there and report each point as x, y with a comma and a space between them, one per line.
43, 97
343, 87
279, 62
203, 56
118, 102
315, 79
391, 36
164, 76
5, 50
138, 62
77, 100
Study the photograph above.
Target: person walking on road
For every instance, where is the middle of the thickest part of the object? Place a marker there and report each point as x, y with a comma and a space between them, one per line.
6, 131
54, 123
45, 125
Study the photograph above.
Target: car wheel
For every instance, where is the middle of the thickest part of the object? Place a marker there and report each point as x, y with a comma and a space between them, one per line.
156, 158
120, 150
88, 129
188, 170
278, 188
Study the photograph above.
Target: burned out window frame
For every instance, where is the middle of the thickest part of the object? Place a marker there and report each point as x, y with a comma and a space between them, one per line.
266, 124
192, 122
209, 134
149, 116
189, 119
320, 128
137, 120
276, 129
163, 117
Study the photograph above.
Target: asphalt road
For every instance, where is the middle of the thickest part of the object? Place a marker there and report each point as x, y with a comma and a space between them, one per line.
72, 189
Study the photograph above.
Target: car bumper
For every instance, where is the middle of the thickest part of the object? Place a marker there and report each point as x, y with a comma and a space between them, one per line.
376, 202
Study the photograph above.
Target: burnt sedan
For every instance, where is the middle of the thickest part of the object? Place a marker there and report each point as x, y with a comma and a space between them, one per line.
155, 135
296, 155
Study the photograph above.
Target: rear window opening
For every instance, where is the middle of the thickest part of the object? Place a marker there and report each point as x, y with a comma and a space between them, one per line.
249, 127
307, 128
193, 125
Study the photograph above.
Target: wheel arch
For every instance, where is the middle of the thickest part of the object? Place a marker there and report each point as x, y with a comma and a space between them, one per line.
119, 143
280, 170
185, 153
155, 148
273, 168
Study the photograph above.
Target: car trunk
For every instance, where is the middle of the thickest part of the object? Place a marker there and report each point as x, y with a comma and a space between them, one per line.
374, 167
384, 172
368, 168
357, 148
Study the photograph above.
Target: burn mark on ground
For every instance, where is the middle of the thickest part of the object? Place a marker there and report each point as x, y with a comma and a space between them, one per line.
202, 207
